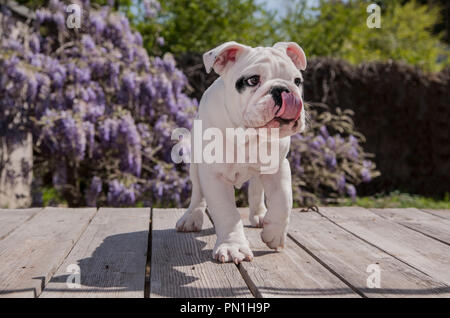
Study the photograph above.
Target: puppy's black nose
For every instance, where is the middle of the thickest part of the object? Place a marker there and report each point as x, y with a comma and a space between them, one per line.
276, 94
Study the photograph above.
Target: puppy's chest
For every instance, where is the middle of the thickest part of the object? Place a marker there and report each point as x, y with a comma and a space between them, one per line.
238, 174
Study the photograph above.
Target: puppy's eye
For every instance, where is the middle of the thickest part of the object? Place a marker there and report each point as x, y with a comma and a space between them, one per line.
298, 81
252, 81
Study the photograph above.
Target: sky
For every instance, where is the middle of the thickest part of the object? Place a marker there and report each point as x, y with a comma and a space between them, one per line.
280, 5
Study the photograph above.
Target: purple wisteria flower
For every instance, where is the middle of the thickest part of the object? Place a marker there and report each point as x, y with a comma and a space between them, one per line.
327, 166
151, 8
102, 108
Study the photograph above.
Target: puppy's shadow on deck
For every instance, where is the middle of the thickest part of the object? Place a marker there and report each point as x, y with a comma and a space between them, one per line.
179, 265
117, 264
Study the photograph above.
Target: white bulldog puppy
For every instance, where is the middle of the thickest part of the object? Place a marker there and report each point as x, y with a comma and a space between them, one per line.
258, 88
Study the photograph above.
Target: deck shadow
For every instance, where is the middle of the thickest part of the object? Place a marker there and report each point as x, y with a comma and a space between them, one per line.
118, 263
181, 266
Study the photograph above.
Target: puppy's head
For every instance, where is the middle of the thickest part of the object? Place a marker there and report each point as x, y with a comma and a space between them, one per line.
264, 85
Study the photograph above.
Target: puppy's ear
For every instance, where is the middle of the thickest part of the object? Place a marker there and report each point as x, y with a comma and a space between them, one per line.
295, 52
222, 56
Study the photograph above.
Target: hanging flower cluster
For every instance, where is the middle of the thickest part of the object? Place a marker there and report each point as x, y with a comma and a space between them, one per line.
100, 109
328, 160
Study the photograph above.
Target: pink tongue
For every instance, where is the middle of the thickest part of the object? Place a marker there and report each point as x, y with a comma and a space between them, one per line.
291, 107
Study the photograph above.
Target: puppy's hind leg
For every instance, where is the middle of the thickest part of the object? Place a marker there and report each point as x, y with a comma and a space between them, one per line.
256, 202
192, 220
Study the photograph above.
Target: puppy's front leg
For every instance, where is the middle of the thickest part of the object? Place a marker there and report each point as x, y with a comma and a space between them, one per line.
278, 191
231, 244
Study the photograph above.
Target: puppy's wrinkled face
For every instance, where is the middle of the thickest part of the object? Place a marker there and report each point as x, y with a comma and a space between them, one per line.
264, 85
267, 90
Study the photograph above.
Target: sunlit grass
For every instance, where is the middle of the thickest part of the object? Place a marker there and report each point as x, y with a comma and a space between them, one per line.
51, 197
399, 200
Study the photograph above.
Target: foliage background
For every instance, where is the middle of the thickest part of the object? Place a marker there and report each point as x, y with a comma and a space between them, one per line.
411, 31
329, 160
338, 29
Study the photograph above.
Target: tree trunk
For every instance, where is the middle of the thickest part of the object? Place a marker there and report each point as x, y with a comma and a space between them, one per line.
16, 170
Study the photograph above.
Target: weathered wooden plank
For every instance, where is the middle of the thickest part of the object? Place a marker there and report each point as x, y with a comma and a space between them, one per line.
415, 249
289, 273
10, 219
111, 256
182, 264
32, 253
355, 260
441, 213
428, 224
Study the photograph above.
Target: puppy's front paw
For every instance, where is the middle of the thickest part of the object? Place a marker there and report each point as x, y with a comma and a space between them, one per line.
190, 222
274, 235
232, 252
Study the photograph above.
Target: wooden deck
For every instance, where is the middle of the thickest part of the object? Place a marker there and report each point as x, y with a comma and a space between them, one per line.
336, 252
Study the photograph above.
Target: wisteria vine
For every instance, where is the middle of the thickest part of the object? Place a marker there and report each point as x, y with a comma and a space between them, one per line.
100, 109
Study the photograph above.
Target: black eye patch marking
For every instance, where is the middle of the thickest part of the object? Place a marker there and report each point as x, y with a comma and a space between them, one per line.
240, 84
298, 81
249, 81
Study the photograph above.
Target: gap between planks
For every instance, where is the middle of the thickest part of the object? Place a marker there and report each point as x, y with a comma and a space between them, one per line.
354, 259
12, 219
271, 274
427, 224
182, 264
148, 261
420, 252
291, 272
346, 256
30, 255
111, 255
445, 214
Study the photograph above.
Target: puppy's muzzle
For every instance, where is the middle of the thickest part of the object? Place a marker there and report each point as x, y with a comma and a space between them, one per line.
276, 92
288, 104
